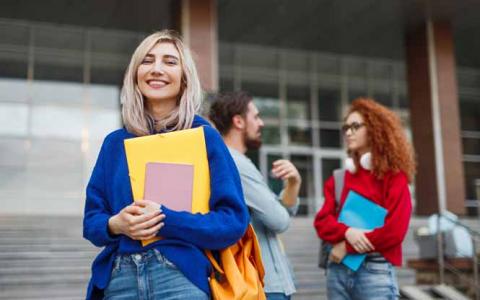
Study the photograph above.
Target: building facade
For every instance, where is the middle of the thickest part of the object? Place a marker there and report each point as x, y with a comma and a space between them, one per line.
62, 66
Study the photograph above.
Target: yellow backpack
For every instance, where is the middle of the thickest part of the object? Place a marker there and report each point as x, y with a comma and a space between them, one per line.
239, 275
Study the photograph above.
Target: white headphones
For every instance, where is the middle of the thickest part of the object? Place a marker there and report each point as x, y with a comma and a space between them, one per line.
365, 162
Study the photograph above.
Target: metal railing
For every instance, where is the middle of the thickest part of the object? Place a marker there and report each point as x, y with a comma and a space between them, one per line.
444, 265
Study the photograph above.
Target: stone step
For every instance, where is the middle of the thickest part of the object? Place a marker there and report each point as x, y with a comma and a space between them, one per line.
39, 240
31, 280
38, 263
27, 254
47, 258
8, 248
51, 291
44, 270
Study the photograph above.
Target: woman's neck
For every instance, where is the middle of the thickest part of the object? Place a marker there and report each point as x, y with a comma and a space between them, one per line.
160, 111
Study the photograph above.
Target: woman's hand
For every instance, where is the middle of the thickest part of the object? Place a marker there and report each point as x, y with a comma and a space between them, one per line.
338, 252
356, 237
139, 221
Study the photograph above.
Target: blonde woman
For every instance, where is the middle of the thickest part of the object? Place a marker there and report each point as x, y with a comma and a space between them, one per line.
161, 93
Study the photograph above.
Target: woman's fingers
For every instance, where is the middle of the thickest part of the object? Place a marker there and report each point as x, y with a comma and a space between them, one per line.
367, 245
148, 222
133, 210
150, 232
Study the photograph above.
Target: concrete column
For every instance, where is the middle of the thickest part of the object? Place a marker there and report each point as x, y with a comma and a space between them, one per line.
198, 26
435, 119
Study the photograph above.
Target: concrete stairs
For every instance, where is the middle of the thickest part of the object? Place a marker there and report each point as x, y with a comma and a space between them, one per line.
44, 257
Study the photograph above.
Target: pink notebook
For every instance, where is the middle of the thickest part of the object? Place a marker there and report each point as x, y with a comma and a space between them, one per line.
169, 184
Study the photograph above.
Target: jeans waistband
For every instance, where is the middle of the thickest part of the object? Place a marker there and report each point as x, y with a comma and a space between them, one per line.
375, 257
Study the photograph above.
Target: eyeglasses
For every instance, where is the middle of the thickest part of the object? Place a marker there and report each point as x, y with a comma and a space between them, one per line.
353, 127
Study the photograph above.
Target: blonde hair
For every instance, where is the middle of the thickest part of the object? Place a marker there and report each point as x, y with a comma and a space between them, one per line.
136, 118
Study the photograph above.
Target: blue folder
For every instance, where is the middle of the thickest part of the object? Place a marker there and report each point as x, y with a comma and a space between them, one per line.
359, 212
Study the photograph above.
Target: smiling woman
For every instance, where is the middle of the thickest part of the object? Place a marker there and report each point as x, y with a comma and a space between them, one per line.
159, 79
161, 87
161, 92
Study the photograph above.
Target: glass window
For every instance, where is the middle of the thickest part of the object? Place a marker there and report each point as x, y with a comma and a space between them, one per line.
226, 54
328, 65
259, 57
380, 70
470, 113
329, 104
59, 54
265, 96
112, 75
104, 96
403, 101
65, 93
328, 166
471, 146
300, 136
110, 55
472, 174
13, 119
12, 160
330, 138
13, 90
226, 85
383, 98
14, 50
297, 61
357, 68
59, 38
57, 122
268, 107
259, 89
271, 135
357, 88
101, 122
298, 102
304, 164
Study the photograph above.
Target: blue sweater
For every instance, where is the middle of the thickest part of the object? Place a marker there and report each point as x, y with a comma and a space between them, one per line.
186, 235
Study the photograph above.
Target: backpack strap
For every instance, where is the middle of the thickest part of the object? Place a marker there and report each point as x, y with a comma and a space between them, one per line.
338, 176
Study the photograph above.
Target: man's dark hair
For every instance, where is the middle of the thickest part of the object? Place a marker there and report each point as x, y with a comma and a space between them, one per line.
225, 106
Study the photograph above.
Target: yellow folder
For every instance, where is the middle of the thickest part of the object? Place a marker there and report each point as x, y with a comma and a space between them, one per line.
184, 146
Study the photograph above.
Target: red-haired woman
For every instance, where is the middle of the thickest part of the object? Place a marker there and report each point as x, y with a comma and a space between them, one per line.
380, 166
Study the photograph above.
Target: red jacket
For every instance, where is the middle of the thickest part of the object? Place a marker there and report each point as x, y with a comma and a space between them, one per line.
390, 192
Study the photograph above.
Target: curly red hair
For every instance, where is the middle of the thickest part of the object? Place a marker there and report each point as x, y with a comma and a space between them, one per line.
390, 148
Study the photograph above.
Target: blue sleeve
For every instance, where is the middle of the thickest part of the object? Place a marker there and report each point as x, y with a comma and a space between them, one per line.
228, 217
97, 211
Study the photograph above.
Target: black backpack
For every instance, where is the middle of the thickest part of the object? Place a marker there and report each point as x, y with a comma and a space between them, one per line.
324, 251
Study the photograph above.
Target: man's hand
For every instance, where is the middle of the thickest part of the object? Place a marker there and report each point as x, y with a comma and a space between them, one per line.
356, 237
338, 252
285, 170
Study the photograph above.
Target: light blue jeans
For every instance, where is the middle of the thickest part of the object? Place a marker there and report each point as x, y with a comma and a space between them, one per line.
372, 281
149, 276
277, 296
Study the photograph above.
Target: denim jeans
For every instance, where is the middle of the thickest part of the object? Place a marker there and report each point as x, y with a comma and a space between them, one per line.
372, 281
149, 276
277, 296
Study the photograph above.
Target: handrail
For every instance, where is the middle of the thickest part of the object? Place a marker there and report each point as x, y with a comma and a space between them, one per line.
442, 265
459, 223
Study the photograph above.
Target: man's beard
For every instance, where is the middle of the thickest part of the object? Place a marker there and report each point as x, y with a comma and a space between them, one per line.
252, 144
